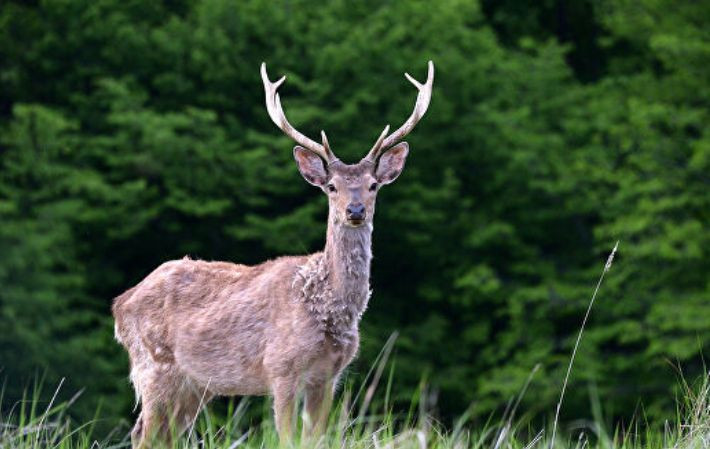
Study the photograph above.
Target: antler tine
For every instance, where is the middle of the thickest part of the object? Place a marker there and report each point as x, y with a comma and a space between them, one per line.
420, 108
331, 156
374, 151
273, 106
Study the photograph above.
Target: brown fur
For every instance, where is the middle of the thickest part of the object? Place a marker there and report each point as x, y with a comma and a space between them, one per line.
195, 329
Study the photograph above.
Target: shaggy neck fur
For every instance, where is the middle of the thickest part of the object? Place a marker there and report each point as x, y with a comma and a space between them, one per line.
348, 252
337, 281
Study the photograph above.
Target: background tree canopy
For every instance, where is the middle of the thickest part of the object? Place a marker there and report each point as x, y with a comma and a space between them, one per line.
134, 132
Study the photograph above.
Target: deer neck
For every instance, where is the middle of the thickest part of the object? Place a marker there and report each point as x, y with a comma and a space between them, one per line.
348, 252
335, 284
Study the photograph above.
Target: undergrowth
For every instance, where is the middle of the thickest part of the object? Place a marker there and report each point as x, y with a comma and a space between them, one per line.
32, 423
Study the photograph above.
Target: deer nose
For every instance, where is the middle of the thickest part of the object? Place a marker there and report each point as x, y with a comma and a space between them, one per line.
355, 211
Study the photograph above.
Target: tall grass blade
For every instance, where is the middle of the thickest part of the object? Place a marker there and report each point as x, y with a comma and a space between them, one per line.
607, 266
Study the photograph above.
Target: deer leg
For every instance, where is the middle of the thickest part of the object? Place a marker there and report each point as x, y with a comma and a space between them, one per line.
157, 392
284, 390
150, 427
185, 412
319, 399
137, 432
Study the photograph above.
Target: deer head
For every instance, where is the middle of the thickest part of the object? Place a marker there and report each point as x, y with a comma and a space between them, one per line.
351, 188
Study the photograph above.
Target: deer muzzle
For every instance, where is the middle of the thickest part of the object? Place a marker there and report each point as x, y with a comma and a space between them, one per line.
355, 213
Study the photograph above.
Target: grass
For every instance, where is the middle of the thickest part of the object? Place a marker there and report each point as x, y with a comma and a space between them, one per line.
354, 423
35, 424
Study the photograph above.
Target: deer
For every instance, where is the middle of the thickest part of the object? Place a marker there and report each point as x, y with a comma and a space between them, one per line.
288, 327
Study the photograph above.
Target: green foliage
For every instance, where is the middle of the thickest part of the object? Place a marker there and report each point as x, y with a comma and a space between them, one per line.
135, 132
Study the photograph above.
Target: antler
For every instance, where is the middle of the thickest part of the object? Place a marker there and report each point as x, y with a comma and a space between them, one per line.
420, 107
273, 106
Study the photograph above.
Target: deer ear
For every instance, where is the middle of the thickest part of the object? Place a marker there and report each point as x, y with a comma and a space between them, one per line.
391, 163
311, 166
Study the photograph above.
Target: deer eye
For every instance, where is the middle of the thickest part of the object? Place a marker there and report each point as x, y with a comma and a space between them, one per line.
373, 187
331, 188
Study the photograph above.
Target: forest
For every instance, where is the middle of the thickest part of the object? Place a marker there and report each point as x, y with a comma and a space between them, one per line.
134, 132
